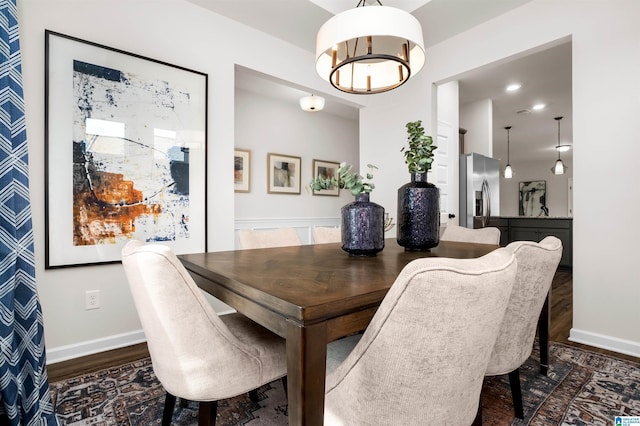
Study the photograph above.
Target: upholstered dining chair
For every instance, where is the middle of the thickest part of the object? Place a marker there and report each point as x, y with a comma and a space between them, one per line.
262, 238
537, 264
489, 235
422, 359
325, 234
196, 354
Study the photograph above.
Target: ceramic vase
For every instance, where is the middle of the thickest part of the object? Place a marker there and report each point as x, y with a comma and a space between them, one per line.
418, 222
362, 227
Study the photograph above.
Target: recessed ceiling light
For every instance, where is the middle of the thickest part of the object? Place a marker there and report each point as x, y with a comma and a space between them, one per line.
513, 87
538, 107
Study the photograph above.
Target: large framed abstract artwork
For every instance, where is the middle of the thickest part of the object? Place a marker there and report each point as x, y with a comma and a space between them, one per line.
533, 196
125, 139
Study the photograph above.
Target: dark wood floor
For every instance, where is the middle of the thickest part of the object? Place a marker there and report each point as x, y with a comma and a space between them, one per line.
561, 318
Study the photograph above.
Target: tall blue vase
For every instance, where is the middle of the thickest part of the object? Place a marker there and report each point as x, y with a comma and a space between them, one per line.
362, 227
418, 222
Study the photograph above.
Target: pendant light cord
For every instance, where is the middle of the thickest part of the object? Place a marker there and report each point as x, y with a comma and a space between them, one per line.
558, 120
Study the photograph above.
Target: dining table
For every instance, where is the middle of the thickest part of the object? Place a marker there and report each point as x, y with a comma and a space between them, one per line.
310, 295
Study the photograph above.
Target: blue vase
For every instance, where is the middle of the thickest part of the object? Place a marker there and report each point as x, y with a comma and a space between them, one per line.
418, 222
362, 227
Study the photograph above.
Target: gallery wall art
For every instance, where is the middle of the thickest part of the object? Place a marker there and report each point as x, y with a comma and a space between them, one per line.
283, 174
326, 170
242, 170
533, 195
125, 153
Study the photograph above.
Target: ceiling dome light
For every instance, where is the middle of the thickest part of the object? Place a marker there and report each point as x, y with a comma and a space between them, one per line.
312, 103
369, 49
563, 148
513, 87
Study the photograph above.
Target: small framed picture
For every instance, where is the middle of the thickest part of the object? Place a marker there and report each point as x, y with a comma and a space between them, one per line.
241, 170
326, 170
283, 174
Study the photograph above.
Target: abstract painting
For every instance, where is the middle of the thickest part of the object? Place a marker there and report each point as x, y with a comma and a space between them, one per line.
533, 199
326, 170
241, 170
126, 153
283, 174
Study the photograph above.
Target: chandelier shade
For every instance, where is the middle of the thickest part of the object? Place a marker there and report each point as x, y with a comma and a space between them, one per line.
369, 49
312, 103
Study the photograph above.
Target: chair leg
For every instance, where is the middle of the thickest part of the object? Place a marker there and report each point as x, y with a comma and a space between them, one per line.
253, 395
169, 405
207, 413
478, 419
516, 393
284, 383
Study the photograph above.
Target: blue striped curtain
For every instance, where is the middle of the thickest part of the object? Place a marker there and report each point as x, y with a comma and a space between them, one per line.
24, 387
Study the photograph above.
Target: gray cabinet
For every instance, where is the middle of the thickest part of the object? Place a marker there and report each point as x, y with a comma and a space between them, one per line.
535, 229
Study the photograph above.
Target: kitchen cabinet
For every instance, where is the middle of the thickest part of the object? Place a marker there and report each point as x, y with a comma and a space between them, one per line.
535, 229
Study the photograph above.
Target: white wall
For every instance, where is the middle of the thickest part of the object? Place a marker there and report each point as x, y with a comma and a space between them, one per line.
606, 104
265, 125
557, 197
605, 109
477, 119
177, 32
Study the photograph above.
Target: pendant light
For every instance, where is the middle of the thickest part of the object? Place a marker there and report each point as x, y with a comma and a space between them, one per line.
312, 103
369, 49
508, 171
559, 168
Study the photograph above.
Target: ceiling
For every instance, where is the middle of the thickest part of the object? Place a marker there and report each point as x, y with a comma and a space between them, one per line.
545, 75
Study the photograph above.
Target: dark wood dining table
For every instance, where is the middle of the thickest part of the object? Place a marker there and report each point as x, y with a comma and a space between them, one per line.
310, 295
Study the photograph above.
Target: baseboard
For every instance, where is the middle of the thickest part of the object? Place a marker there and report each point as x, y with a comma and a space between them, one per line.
90, 347
601, 341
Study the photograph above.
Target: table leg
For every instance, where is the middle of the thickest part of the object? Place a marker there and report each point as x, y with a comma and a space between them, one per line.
306, 365
543, 335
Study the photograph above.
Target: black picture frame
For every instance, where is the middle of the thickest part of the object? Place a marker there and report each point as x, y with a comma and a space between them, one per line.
125, 153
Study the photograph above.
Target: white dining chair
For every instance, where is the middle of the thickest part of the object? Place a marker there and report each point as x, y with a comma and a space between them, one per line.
489, 235
422, 359
263, 238
325, 234
196, 354
537, 264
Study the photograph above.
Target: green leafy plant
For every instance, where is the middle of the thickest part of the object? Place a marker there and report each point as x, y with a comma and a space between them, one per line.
347, 179
419, 154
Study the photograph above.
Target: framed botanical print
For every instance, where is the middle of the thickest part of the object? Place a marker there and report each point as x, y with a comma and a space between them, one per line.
125, 149
326, 170
283, 174
241, 170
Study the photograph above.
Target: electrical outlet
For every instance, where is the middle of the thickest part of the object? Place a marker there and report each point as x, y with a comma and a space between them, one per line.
92, 299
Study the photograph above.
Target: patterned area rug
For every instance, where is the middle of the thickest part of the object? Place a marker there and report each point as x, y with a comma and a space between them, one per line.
582, 388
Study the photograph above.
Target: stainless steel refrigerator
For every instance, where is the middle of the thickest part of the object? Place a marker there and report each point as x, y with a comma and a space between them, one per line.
479, 189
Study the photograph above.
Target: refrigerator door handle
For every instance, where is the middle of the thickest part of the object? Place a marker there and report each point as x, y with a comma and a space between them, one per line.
487, 196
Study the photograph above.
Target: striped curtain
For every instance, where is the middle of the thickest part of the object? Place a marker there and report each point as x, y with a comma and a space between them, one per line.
24, 387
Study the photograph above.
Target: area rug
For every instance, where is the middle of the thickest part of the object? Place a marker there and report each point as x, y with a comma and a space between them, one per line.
582, 388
